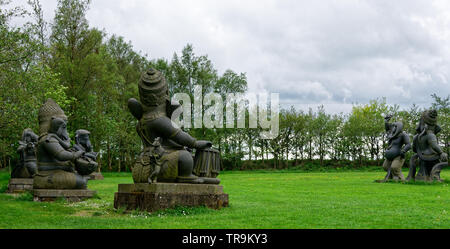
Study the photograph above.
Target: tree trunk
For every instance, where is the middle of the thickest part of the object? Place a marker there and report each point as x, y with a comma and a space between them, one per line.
275, 160
119, 164
250, 151
321, 151
109, 157
99, 163
310, 150
287, 157
296, 156
262, 153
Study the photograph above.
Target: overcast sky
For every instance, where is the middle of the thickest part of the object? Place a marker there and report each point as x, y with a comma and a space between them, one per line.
333, 53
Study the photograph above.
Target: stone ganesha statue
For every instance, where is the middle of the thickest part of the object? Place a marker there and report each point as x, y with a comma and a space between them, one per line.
86, 163
57, 161
164, 145
429, 155
27, 166
398, 145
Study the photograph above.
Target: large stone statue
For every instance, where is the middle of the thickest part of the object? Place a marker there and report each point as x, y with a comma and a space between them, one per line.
398, 145
429, 155
156, 130
27, 166
57, 167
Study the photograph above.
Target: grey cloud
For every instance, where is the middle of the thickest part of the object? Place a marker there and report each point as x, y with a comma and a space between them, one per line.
311, 52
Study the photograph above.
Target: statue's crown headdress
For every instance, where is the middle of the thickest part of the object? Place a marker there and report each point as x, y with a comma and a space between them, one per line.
48, 110
153, 89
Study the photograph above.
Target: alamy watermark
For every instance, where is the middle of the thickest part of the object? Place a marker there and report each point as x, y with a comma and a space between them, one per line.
236, 107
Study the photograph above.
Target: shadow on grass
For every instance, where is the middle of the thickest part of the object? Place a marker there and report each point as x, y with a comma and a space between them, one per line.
443, 182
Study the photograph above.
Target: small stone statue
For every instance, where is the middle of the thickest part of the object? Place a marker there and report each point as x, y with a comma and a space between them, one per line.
27, 166
149, 166
154, 115
430, 156
87, 162
56, 160
398, 145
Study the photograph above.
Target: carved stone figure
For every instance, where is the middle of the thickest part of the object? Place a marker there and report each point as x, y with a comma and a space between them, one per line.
398, 145
207, 163
27, 166
86, 164
56, 160
150, 164
154, 112
429, 155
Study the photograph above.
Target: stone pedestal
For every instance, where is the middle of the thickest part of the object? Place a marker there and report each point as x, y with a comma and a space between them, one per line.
71, 195
20, 185
158, 196
96, 176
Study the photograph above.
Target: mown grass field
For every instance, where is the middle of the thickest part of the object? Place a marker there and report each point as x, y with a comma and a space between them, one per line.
285, 199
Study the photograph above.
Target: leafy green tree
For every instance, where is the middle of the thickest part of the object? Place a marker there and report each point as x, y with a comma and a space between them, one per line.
25, 82
442, 105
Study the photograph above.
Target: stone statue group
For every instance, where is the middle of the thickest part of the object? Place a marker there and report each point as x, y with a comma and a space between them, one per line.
166, 157
54, 163
49, 158
428, 155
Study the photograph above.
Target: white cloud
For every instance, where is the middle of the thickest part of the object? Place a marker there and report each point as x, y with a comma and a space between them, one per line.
311, 52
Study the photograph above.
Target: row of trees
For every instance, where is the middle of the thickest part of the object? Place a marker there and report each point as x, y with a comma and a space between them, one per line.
92, 74
358, 136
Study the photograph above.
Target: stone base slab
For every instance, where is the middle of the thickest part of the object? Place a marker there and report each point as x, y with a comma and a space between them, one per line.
71, 195
174, 188
20, 185
96, 176
158, 196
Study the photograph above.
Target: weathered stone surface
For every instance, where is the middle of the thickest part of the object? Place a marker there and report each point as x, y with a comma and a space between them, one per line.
96, 176
429, 157
26, 167
55, 156
19, 185
153, 201
87, 163
158, 196
28, 187
175, 188
165, 143
68, 194
28, 181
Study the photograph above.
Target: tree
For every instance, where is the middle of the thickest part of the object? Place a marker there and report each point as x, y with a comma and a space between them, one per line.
25, 82
442, 105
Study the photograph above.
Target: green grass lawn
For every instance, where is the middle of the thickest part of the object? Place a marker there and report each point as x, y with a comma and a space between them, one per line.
258, 199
